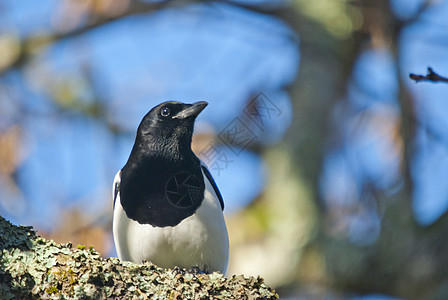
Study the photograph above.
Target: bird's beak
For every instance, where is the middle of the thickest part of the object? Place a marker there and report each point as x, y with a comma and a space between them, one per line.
192, 110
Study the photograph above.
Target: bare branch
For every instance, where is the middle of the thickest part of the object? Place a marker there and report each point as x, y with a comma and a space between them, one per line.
431, 76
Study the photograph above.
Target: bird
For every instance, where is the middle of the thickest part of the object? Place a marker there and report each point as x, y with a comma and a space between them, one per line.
167, 206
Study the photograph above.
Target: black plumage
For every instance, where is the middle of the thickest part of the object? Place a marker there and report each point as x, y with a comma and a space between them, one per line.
162, 151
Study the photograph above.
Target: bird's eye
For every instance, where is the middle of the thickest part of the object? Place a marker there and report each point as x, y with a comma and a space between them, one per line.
165, 112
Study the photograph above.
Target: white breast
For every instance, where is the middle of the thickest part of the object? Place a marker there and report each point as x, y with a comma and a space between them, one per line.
200, 240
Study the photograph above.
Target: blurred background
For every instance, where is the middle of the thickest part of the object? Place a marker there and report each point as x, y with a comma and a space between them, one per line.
333, 164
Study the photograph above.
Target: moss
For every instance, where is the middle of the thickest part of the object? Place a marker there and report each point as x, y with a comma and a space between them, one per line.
51, 290
32, 267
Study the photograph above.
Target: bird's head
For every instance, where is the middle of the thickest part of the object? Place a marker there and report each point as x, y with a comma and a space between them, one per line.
168, 127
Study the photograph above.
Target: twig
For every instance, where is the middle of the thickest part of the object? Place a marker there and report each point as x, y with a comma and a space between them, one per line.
431, 76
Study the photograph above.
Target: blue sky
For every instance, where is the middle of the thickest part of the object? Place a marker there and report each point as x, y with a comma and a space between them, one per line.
223, 55
366, 150
215, 53
226, 56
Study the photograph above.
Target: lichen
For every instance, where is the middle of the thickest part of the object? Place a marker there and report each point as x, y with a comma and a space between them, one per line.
32, 267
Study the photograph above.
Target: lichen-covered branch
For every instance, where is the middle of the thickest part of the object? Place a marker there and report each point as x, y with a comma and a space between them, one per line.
32, 267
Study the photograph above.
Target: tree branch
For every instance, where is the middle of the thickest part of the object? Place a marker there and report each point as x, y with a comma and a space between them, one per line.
431, 76
94, 21
32, 267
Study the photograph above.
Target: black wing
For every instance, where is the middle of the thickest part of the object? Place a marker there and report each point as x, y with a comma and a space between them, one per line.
213, 183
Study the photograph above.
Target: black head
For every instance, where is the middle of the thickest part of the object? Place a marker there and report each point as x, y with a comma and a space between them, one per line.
167, 129
160, 160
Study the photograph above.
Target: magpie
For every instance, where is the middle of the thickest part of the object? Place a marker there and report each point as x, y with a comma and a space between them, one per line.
167, 206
